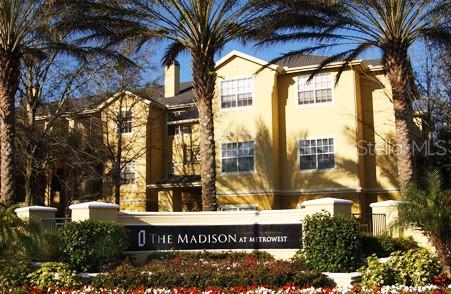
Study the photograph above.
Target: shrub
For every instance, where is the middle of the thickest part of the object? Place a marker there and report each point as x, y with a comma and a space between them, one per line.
55, 274
422, 266
211, 256
415, 267
384, 245
92, 245
13, 275
46, 247
375, 273
210, 273
331, 244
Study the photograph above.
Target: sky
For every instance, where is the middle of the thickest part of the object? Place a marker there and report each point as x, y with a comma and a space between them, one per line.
267, 54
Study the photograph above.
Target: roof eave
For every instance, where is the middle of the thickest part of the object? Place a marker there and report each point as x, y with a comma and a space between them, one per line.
259, 61
174, 185
315, 66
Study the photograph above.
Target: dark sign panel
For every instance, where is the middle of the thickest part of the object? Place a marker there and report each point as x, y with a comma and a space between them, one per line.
192, 237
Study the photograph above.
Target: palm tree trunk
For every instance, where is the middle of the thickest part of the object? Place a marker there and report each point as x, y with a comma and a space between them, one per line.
204, 79
442, 246
9, 79
399, 77
28, 182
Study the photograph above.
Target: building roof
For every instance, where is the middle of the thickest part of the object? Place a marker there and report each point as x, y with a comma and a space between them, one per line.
185, 96
373, 62
182, 104
301, 60
177, 181
306, 60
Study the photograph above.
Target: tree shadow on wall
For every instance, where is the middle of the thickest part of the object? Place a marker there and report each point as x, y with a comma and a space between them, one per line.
277, 171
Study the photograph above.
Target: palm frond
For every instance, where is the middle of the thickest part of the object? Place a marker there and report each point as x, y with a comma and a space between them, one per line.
172, 51
427, 206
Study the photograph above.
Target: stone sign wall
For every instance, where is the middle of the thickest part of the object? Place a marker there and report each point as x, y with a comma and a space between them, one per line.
199, 237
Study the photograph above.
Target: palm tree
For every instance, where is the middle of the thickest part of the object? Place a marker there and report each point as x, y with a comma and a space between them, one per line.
200, 28
354, 27
29, 29
17, 237
429, 209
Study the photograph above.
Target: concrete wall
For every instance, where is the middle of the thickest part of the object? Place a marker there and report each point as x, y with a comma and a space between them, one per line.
109, 212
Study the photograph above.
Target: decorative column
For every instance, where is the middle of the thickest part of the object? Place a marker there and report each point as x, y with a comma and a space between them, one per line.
36, 213
334, 206
94, 210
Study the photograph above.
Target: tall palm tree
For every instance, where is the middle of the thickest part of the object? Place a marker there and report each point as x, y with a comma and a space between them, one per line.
31, 28
354, 27
200, 28
17, 237
429, 208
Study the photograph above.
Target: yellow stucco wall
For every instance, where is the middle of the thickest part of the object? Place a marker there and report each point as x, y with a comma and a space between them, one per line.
256, 123
328, 120
144, 145
360, 110
379, 128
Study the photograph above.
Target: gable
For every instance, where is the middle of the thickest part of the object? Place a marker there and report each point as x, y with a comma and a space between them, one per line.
236, 56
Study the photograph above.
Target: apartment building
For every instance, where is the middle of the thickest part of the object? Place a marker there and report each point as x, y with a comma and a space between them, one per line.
280, 139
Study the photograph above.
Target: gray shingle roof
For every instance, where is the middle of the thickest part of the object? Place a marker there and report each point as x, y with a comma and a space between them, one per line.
373, 62
185, 96
301, 60
305, 60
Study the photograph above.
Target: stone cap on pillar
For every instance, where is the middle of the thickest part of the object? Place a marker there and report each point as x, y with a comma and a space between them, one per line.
388, 203
94, 210
94, 204
327, 200
35, 208
35, 213
334, 206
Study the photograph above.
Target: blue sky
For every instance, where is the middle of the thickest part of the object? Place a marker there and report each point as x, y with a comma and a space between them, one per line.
267, 53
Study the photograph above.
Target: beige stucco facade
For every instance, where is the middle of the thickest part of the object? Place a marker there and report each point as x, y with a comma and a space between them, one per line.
360, 110
164, 140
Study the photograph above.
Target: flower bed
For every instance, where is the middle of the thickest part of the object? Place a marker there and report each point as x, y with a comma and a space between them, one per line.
222, 273
398, 289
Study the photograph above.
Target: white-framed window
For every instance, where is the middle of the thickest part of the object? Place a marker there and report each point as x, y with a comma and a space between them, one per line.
125, 122
238, 207
238, 156
316, 154
318, 90
236, 93
128, 173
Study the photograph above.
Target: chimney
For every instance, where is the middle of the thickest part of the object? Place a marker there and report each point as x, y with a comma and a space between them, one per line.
172, 80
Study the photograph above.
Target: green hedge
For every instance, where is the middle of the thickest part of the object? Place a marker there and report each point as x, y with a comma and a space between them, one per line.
331, 244
212, 256
384, 245
92, 245
201, 274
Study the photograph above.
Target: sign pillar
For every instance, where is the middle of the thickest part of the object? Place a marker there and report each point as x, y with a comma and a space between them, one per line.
94, 210
36, 213
334, 206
